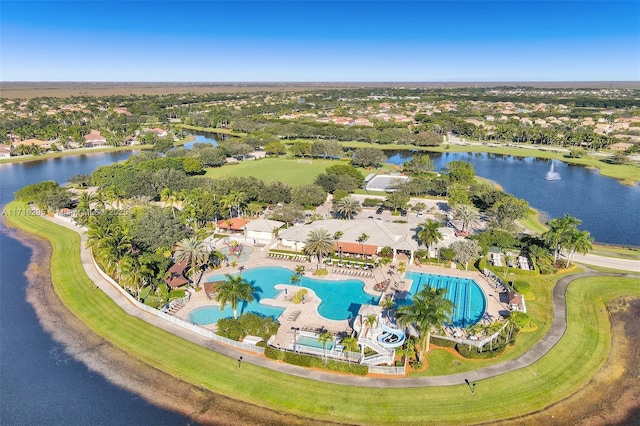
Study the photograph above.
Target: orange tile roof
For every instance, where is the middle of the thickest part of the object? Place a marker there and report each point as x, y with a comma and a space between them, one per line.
233, 224
355, 248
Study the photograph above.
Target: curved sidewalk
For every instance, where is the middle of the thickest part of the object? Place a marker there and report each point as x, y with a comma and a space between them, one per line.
541, 348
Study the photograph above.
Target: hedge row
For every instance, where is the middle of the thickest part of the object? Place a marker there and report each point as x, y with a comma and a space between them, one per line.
303, 360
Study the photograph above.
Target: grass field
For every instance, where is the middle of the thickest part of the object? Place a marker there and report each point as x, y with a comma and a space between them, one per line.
568, 366
286, 170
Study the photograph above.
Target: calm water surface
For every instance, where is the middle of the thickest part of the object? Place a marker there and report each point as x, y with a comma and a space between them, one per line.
609, 210
40, 383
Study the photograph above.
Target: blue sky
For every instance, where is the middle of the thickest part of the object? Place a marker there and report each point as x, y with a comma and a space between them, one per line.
319, 41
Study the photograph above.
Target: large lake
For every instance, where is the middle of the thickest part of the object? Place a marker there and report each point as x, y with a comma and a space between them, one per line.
608, 209
40, 383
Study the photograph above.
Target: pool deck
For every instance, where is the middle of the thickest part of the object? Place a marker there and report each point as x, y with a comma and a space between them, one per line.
305, 316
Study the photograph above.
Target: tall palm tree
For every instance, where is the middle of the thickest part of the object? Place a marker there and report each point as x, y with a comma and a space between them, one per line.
361, 239
324, 339
319, 243
347, 207
560, 233
369, 322
170, 199
236, 289
428, 233
387, 305
430, 309
581, 242
466, 214
350, 344
194, 252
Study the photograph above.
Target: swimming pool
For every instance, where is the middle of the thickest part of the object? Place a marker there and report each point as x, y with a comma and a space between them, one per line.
340, 299
469, 299
314, 342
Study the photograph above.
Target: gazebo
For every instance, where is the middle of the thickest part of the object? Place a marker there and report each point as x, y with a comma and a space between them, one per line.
175, 275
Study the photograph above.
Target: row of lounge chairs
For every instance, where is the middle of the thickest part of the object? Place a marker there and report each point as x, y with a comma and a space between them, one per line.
294, 315
353, 272
174, 307
292, 257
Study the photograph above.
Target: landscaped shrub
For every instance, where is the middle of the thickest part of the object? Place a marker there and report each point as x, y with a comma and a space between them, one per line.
320, 272
546, 267
521, 286
248, 324
297, 298
372, 202
303, 360
444, 343
474, 353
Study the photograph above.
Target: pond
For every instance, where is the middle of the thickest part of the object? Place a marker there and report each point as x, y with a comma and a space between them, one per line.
608, 209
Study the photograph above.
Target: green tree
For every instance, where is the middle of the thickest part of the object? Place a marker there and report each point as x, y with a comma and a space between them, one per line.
419, 164
580, 242
560, 233
368, 157
350, 344
466, 214
362, 239
466, 251
236, 289
428, 233
430, 309
324, 338
309, 195
347, 207
319, 243
194, 252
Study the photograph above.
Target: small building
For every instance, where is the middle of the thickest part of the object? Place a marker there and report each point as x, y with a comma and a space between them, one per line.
261, 229
233, 225
516, 302
5, 151
94, 139
175, 275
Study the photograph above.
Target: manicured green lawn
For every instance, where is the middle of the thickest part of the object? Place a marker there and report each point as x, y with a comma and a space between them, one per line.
569, 365
286, 170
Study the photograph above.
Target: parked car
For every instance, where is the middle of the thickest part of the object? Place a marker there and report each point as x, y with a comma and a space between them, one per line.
403, 213
420, 214
380, 210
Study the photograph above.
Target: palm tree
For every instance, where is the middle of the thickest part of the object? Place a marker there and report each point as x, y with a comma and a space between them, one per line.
369, 322
580, 242
215, 259
114, 196
349, 344
430, 309
347, 207
192, 251
361, 239
387, 305
295, 279
428, 233
324, 339
467, 214
170, 199
560, 233
234, 290
318, 243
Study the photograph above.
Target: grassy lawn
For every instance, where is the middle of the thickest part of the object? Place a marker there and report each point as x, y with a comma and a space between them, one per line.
532, 222
271, 169
617, 252
568, 366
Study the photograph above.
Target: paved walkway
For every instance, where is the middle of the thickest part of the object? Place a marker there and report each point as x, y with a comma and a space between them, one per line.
542, 347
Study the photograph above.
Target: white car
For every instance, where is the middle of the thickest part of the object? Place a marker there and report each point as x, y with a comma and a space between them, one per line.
420, 214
